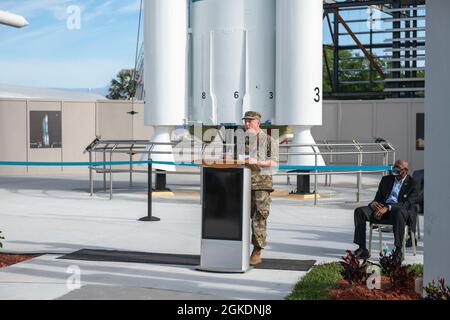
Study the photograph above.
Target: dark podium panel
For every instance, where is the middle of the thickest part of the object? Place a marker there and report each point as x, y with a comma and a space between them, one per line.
222, 204
226, 194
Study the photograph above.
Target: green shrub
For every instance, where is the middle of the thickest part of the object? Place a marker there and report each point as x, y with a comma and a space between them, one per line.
417, 268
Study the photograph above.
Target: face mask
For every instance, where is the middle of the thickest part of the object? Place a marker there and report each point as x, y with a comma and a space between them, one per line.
396, 172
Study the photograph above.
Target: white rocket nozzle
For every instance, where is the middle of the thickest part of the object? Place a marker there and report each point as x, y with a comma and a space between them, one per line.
302, 136
12, 20
162, 135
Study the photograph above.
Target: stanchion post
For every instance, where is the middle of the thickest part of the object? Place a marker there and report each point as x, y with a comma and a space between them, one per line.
131, 168
110, 177
91, 182
315, 179
149, 217
359, 178
104, 169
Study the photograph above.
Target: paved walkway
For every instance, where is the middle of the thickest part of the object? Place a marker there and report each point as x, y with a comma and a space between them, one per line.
54, 215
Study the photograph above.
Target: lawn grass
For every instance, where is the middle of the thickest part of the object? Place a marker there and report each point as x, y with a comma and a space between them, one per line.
321, 278
316, 282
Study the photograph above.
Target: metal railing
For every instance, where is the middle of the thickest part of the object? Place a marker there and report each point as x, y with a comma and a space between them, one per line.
329, 150
333, 149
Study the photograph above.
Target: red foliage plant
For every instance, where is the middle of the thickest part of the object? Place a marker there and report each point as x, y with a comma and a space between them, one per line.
438, 293
400, 277
353, 270
397, 283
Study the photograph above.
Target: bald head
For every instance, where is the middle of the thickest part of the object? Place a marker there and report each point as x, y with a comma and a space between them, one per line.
403, 167
402, 163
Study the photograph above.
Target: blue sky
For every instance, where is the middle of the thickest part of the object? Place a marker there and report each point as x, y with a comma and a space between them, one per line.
49, 54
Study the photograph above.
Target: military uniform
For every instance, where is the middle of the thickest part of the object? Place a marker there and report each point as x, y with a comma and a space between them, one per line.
262, 148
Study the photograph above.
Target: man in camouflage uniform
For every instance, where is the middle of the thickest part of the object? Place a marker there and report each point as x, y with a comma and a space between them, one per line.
263, 156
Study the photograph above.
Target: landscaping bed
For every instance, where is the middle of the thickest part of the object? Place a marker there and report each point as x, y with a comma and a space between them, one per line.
349, 279
10, 259
348, 291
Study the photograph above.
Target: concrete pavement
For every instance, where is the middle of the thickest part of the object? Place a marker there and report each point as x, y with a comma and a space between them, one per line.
55, 215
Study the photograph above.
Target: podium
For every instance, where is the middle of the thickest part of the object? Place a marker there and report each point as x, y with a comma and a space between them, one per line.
226, 206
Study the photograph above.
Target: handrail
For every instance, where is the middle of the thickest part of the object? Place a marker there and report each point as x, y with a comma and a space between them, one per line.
333, 144
332, 149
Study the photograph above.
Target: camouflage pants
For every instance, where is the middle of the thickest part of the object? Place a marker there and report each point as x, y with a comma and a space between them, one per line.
260, 211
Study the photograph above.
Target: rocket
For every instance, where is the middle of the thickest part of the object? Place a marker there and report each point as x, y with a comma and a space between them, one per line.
210, 61
165, 72
45, 133
12, 20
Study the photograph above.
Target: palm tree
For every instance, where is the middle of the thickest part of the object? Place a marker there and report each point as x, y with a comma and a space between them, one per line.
123, 87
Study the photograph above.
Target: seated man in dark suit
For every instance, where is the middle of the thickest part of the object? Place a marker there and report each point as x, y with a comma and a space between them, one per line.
393, 204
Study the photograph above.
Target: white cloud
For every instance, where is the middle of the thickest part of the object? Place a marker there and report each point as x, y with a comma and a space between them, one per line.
89, 14
60, 11
33, 8
58, 8
130, 8
34, 35
25, 54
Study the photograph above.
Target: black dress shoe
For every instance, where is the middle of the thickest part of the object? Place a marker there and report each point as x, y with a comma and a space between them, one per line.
409, 243
362, 253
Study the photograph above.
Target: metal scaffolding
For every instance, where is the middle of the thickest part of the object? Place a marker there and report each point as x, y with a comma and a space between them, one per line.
391, 37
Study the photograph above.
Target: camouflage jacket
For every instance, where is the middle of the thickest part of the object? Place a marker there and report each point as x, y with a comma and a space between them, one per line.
263, 148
